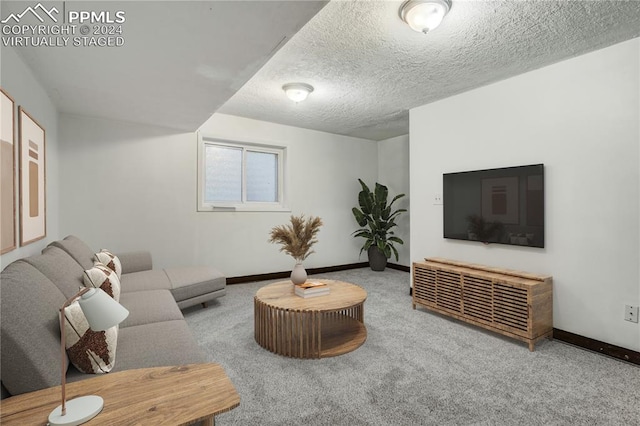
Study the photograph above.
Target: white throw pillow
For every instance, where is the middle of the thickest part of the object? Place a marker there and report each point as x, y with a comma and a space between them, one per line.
101, 276
111, 260
92, 352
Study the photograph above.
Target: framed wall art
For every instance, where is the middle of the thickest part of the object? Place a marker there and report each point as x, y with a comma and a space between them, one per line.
7, 174
33, 226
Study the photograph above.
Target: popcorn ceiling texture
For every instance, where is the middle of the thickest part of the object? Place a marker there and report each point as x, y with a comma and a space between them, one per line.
369, 68
183, 61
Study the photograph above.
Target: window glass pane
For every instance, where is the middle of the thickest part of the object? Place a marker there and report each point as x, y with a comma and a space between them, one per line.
223, 174
262, 176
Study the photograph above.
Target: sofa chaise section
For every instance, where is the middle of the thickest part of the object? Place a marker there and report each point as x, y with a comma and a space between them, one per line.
189, 286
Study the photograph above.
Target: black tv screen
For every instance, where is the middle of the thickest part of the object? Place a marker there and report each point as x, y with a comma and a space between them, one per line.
502, 206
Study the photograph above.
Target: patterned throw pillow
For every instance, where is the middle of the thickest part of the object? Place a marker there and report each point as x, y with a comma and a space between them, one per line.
100, 276
92, 352
111, 260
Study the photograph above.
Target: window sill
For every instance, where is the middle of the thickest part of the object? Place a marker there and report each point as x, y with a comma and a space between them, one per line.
234, 209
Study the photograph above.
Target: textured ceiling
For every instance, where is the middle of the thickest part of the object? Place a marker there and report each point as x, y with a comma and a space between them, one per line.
181, 60
185, 60
369, 68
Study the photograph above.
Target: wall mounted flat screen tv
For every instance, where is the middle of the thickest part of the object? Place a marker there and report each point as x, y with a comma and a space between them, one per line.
502, 206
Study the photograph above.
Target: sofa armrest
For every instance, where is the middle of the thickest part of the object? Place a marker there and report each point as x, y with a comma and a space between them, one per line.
135, 261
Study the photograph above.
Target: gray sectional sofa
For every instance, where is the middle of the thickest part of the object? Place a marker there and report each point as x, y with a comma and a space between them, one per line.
33, 289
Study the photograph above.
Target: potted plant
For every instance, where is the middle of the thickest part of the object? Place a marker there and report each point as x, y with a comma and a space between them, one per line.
296, 240
376, 218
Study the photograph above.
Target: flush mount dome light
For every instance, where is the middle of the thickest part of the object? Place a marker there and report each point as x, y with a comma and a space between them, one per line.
424, 15
297, 92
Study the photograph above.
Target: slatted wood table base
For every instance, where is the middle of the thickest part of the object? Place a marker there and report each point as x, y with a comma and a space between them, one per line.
317, 327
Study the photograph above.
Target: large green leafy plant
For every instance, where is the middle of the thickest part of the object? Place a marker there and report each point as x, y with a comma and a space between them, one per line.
377, 219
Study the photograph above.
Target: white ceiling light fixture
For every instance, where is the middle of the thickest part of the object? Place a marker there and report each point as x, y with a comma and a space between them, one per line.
424, 15
297, 92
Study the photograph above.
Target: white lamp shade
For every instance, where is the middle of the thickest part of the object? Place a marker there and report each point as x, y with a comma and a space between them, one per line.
297, 92
424, 15
101, 311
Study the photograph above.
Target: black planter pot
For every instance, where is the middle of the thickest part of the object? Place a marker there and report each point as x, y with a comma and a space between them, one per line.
377, 259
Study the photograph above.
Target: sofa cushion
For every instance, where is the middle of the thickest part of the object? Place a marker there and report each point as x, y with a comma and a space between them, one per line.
148, 307
156, 279
77, 249
92, 352
194, 281
135, 261
157, 344
60, 268
29, 320
103, 277
111, 260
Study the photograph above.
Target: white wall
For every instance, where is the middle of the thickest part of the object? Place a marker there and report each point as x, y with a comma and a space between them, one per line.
580, 118
19, 82
128, 186
393, 171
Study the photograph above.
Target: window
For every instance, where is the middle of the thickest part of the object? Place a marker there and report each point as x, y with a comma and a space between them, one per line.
240, 176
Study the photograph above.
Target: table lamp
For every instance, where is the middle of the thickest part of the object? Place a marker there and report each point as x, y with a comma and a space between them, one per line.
102, 313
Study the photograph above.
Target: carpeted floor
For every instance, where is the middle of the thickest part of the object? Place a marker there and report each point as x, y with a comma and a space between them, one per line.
416, 368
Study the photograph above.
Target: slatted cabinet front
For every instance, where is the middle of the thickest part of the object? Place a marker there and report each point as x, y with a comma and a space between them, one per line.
516, 304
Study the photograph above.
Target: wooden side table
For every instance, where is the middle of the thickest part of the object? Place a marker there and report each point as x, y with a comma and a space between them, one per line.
314, 327
178, 395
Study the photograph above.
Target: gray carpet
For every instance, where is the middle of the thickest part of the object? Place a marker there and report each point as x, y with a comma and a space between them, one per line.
416, 368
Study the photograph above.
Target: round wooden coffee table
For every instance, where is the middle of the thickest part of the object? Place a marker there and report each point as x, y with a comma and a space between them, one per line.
313, 327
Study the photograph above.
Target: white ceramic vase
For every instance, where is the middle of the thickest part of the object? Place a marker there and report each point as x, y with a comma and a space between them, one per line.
298, 275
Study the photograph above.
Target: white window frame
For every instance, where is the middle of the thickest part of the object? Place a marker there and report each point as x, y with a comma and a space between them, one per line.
254, 206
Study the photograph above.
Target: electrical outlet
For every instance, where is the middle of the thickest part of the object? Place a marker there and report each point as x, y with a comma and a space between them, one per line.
631, 313
437, 200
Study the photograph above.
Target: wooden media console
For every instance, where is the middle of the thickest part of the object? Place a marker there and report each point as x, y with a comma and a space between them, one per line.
513, 303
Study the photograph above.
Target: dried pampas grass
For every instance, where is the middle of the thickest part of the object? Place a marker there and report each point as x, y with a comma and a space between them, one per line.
298, 237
